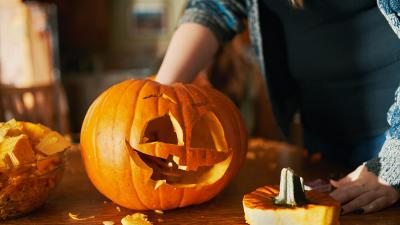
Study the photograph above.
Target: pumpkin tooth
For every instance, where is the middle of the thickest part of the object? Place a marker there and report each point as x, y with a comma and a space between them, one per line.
185, 168
175, 159
159, 183
192, 160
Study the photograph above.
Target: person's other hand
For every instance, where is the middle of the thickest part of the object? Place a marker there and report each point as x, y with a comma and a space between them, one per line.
363, 191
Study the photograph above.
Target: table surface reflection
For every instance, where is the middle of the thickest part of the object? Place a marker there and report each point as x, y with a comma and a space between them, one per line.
76, 194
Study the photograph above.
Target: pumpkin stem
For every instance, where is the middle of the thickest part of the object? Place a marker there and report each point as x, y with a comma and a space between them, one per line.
291, 190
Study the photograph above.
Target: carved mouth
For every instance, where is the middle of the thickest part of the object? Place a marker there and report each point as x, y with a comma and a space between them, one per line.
161, 151
169, 171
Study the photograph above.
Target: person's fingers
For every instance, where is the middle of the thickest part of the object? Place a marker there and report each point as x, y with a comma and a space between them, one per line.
350, 178
378, 204
348, 192
361, 201
337, 183
343, 181
334, 183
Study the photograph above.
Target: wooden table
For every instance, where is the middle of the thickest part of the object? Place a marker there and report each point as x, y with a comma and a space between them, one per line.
75, 194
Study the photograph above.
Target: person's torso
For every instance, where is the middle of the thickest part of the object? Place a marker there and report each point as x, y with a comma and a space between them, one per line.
345, 60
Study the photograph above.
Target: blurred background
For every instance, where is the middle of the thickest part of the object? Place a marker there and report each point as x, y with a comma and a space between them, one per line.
56, 56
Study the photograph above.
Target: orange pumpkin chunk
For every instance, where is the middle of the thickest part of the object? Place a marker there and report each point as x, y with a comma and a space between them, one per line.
52, 143
136, 219
16, 151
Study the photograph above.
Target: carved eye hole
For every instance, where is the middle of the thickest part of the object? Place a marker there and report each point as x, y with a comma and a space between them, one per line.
164, 129
208, 133
160, 95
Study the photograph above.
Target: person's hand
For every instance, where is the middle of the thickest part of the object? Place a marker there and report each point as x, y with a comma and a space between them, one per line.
363, 191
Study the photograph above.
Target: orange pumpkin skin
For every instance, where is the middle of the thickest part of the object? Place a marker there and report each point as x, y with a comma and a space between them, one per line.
126, 142
259, 209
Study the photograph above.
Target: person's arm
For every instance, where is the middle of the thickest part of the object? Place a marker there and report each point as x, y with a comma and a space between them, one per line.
204, 26
191, 48
391, 10
375, 185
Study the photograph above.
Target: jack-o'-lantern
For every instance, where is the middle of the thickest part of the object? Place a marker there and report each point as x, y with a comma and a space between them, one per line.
152, 146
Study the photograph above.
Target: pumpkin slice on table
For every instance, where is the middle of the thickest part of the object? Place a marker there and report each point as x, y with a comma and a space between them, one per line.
290, 204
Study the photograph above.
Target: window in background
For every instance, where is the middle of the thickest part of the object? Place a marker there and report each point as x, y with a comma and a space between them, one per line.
147, 18
29, 75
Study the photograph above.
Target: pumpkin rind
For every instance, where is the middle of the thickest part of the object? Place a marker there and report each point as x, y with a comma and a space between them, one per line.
114, 142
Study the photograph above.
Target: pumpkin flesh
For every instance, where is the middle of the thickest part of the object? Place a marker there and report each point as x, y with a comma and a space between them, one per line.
259, 209
291, 204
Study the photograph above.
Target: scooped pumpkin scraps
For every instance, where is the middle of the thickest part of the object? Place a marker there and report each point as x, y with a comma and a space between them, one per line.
16, 151
76, 217
136, 219
291, 204
31, 165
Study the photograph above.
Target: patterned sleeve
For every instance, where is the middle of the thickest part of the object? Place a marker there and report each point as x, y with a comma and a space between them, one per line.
387, 164
391, 10
222, 17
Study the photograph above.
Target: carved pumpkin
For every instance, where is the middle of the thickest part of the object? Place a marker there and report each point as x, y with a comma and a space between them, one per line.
290, 204
151, 146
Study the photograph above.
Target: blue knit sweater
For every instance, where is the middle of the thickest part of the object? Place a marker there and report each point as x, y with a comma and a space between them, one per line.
223, 18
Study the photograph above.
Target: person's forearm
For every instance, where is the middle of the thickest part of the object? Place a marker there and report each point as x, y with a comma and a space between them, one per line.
190, 50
